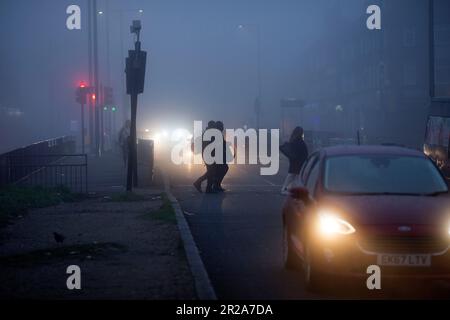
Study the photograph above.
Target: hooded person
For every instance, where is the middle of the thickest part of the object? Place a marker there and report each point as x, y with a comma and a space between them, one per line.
297, 153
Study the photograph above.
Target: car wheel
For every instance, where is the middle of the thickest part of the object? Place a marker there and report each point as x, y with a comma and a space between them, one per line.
289, 258
313, 278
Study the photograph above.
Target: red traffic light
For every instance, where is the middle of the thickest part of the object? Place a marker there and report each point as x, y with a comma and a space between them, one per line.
93, 96
81, 92
82, 85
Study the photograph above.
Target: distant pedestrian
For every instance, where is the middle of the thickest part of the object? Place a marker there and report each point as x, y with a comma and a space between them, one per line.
124, 135
297, 153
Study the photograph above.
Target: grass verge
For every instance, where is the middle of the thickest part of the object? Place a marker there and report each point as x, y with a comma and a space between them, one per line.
82, 251
127, 197
16, 201
165, 213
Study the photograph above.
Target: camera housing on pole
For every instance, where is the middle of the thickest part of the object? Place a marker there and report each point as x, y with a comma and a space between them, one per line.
135, 75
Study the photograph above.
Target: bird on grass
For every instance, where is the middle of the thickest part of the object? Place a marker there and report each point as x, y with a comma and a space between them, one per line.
59, 238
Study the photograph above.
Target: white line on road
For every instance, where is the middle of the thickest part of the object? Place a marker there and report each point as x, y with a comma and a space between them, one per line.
233, 185
265, 180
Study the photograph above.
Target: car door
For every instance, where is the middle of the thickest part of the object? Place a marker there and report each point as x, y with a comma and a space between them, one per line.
306, 168
313, 175
298, 208
292, 206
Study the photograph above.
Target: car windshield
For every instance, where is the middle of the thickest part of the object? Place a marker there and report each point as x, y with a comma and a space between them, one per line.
382, 174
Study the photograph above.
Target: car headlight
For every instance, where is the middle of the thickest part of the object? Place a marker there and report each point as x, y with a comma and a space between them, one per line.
330, 224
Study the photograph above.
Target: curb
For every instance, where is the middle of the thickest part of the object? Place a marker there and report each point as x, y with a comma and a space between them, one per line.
203, 287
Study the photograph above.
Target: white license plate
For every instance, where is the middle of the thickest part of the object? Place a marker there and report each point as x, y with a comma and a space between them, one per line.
407, 260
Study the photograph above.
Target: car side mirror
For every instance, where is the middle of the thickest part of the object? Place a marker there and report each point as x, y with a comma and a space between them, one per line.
300, 193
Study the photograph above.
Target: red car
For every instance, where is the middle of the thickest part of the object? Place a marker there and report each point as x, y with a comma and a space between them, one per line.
357, 206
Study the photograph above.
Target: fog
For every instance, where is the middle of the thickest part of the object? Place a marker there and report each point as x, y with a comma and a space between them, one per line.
201, 66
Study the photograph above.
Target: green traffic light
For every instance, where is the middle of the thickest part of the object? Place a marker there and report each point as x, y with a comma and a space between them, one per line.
113, 109
105, 108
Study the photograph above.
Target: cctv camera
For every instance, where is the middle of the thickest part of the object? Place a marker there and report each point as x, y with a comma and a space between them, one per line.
136, 26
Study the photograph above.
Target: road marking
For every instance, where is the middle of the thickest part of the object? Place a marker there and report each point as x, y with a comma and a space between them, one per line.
272, 184
265, 180
233, 185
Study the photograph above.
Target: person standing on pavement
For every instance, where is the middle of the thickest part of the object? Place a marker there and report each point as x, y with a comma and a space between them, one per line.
297, 153
124, 134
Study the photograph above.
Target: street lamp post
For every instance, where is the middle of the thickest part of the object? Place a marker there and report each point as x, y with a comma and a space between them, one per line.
257, 105
96, 83
431, 62
89, 103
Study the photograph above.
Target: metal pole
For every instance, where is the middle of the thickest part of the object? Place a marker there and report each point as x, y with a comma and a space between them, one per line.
132, 177
82, 128
130, 166
134, 100
108, 59
113, 133
109, 129
132, 158
431, 48
102, 121
108, 74
124, 96
96, 82
90, 105
258, 111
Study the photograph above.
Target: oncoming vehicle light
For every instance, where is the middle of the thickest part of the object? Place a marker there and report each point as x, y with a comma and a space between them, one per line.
330, 224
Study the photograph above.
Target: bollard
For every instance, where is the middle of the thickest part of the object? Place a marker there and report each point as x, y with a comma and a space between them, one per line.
145, 154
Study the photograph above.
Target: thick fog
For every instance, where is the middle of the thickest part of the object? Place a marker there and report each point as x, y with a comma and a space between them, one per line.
200, 66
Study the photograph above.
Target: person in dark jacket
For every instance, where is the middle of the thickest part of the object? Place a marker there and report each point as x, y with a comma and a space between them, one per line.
222, 168
210, 174
124, 135
297, 153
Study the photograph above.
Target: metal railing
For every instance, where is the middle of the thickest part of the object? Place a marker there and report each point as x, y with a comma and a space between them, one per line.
50, 163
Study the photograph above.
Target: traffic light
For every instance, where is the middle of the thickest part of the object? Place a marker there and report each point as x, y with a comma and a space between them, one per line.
108, 96
81, 93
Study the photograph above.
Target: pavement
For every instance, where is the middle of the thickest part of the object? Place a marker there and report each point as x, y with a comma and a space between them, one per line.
108, 174
125, 248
